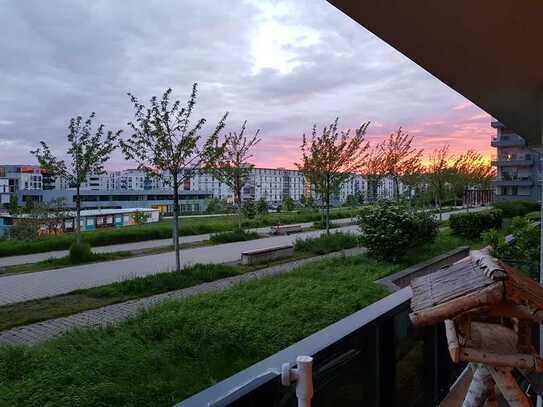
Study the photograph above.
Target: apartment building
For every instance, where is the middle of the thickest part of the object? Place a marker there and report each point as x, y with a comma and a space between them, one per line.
4, 191
518, 167
22, 177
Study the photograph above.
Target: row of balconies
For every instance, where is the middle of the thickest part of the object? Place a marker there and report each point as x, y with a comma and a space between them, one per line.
507, 141
508, 180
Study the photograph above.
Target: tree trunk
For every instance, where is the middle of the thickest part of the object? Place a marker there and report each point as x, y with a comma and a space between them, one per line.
78, 215
238, 198
328, 206
175, 231
397, 189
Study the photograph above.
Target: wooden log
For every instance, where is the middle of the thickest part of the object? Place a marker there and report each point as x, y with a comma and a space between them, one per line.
516, 311
480, 388
452, 340
509, 387
519, 360
492, 294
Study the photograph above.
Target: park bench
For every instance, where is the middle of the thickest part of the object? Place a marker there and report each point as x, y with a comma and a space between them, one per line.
286, 229
265, 255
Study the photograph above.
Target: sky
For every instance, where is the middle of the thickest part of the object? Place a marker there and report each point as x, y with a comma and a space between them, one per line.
281, 65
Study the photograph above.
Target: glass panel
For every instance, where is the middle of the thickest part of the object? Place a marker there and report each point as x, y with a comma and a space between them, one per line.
409, 349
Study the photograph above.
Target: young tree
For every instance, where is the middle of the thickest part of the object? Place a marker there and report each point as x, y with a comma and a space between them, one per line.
400, 160
233, 167
374, 173
88, 151
288, 204
13, 205
166, 145
262, 207
330, 159
438, 173
470, 169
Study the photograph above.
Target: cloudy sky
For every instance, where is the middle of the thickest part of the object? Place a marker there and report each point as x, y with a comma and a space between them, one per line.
280, 65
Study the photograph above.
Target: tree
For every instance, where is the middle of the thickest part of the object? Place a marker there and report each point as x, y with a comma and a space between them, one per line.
140, 217
470, 169
351, 201
288, 203
29, 205
215, 205
233, 167
374, 173
88, 151
399, 159
438, 173
166, 145
13, 207
262, 207
330, 159
249, 209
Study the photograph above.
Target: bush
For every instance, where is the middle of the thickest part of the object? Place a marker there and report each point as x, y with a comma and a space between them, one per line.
516, 208
80, 253
233, 236
326, 243
471, 224
390, 229
533, 216
524, 246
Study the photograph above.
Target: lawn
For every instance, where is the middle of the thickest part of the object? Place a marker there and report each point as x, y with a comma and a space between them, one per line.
162, 230
185, 346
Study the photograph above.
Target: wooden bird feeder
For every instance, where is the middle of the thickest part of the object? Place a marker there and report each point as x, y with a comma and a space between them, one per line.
490, 311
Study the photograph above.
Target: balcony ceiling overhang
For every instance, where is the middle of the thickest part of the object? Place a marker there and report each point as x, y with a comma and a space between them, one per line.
488, 51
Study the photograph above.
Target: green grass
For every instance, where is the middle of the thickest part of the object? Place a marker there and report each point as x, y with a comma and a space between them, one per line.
182, 347
81, 300
162, 230
326, 243
233, 236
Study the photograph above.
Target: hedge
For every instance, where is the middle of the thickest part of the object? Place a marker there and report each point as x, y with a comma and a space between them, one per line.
471, 224
516, 208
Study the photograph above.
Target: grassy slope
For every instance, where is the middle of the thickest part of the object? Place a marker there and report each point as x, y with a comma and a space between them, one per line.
184, 346
161, 230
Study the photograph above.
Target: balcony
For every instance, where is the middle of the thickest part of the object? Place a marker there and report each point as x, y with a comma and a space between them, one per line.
504, 181
509, 162
507, 141
374, 357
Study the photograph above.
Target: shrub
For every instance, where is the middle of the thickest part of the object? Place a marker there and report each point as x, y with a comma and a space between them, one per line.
524, 246
516, 208
233, 236
80, 253
326, 243
390, 229
533, 216
471, 224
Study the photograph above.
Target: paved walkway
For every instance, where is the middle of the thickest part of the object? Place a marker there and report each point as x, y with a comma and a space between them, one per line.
30, 286
147, 244
111, 314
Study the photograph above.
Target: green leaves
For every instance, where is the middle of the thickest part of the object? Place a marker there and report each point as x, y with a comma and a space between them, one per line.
88, 151
390, 229
163, 140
